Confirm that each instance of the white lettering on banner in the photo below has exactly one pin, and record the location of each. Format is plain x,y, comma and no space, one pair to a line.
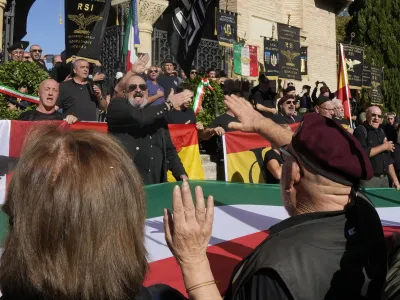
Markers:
189,19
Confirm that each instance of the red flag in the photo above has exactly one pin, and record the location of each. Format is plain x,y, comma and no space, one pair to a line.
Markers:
253,61
343,92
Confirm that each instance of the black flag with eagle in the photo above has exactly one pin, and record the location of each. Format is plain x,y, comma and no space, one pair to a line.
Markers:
186,29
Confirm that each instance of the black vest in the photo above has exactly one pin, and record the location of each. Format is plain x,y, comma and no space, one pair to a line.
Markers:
321,256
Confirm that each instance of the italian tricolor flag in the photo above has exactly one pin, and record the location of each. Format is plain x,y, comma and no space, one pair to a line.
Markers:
131,36
245,61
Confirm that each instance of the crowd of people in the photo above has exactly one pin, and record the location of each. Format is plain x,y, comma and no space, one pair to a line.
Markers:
88,241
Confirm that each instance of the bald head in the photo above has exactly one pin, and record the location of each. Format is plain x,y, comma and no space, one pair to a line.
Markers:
48,93
137,91
374,116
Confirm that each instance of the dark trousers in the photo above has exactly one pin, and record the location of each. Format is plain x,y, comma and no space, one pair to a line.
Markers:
376,182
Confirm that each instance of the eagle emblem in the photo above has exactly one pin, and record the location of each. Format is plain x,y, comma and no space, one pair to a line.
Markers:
83,22
375,84
290,56
351,64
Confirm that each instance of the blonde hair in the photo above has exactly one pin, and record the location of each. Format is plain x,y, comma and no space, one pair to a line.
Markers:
77,212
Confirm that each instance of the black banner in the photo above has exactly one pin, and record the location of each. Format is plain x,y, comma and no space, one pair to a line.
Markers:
226,25
355,62
366,77
303,57
271,58
186,29
289,52
85,23
376,86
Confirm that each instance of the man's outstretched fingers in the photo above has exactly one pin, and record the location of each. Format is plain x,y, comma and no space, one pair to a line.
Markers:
187,201
177,206
200,205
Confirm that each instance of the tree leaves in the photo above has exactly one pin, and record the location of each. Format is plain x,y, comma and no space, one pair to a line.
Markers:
15,75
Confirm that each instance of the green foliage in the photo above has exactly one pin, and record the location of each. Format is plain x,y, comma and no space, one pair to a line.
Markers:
341,24
376,24
15,75
210,101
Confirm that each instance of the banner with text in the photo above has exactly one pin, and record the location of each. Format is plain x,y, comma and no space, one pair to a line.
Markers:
271,58
366,76
289,52
355,63
376,86
226,25
244,156
85,23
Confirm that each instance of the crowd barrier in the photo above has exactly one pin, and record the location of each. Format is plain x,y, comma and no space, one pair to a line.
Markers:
243,214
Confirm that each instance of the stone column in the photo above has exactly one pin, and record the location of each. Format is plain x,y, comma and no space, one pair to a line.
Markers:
3,4
149,12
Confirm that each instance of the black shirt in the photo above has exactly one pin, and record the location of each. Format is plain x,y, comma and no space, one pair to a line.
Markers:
223,121
265,98
271,155
369,138
181,116
78,100
390,131
35,115
284,119
396,157
344,122
145,136
168,83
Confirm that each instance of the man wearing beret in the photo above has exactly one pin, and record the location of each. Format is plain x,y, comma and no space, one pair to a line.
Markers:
324,107
287,111
372,137
16,50
331,247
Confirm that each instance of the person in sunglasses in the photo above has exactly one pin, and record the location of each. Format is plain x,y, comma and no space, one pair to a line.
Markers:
155,90
324,106
332,244
372,137
193,73
36,55
287,111
16,50
143,130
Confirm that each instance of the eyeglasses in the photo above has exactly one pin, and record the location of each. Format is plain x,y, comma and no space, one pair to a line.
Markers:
37,50
141,86
376,115
153,71
193,72
285,154
17,52
327,109
290,102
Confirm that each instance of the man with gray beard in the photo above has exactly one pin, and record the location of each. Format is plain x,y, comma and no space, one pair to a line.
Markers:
143,131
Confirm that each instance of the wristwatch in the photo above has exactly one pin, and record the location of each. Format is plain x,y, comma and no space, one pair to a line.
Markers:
169,104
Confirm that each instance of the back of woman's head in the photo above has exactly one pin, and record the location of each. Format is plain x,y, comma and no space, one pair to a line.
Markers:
77,213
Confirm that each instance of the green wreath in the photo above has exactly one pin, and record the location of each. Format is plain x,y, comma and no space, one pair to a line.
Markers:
15,75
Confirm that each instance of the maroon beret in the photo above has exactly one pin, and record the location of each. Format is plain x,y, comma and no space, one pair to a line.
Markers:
326,147
284,98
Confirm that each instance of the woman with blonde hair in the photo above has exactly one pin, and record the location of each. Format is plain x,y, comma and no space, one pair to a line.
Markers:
77,213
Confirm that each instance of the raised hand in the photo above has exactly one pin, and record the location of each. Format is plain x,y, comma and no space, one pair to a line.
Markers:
249,118
179,99
139,66
188,232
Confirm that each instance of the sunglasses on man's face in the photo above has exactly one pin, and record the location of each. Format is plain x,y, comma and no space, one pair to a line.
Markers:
290,102
37,50
193,72
141,86
376,115
153,71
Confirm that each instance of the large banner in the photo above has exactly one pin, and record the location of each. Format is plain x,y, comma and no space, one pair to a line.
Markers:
85,23
244,156
13,133
355,63
242,216
289,52
186,29
226,25
271,58
376,86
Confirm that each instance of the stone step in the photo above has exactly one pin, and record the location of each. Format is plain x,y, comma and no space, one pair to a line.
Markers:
205,158
209,167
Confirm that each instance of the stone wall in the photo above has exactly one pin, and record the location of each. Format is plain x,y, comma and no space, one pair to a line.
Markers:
257,17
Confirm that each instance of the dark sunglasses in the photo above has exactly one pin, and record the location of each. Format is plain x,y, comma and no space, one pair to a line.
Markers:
37,50
376,115
141,86
153,71
290,102
193,72
285,154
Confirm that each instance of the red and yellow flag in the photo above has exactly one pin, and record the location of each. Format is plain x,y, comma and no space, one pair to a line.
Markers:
184,138
343,91
244,156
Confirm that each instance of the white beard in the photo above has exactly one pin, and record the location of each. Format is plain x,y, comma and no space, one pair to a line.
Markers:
137,105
